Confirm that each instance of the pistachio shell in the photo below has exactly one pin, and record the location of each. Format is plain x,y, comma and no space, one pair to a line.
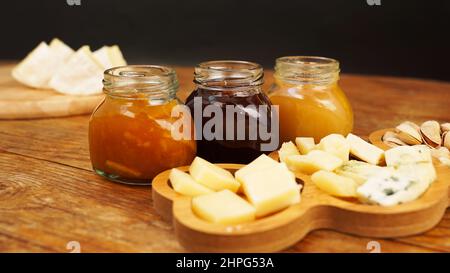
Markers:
446,140
391,139
431,133
445,127
409,133
440,152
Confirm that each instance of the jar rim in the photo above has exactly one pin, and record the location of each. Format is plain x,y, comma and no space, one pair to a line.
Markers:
307,69
140,79
228,74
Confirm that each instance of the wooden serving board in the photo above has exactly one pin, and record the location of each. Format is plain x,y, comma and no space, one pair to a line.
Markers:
317,210
18,101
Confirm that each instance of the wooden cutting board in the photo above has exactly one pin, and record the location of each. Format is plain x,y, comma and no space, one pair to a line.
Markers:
317,210
18,101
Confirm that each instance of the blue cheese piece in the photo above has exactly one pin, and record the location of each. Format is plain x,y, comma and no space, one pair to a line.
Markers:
391,187
404,155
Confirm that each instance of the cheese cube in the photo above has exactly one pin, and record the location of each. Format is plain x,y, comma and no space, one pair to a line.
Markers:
224,207
261,163
357,170
271,189
305,144
184,184
364,150
315,161
334,184
287,149
408,155
212,176
335,144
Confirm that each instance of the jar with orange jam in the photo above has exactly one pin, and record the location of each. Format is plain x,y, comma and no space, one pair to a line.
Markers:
130,132
311,103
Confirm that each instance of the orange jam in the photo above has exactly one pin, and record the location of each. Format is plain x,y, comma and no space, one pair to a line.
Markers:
311,103
130,137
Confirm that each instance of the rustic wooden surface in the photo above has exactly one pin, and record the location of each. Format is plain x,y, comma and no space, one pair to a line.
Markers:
20,101
49,196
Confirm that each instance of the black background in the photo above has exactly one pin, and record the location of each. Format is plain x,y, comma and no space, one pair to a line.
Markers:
405,38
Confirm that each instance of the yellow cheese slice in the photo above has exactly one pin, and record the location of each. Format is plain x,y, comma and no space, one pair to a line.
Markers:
364,150
287,149
334,184
271,189
261,163
314,161
184,184
335,144
305,144
212,176
224,207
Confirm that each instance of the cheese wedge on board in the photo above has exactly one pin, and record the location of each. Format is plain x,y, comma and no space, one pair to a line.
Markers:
184,184
109,56
224,207
271,189
314,161
334,184
261,163
212,176
305,144
287,149
335,144
364,150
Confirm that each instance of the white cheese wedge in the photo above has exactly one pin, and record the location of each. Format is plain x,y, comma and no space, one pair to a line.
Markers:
358,171
80,75
364,150
287,149
305,144
261,163
212,176
390,188
335,144
109,56
184,184
314,161
224,207
271,189
41,64
402,155
334,184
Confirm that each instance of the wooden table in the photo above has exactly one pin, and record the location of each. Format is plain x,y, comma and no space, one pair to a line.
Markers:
49,195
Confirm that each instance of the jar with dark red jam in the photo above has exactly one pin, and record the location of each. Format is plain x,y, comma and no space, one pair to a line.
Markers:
226,105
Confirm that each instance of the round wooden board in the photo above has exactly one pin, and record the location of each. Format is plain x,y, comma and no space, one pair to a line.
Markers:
317,210
21,102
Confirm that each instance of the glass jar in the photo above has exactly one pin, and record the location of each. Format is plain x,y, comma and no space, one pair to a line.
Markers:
130,132
311,103
223,87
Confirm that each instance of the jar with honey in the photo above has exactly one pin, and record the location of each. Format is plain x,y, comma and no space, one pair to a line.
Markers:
130,132
311,103
230,93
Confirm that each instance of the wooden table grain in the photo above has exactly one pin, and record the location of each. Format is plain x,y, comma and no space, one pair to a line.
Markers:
49,195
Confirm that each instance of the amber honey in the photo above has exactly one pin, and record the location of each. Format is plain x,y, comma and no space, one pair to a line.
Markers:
130,135
311,103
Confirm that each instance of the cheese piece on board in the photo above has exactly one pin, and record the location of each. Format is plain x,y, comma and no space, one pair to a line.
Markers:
224,207
402,155
287,149
335,144
271,189
390,187
80,75
41,63
212,176
184,184
305,144
109,56
314,161
359,171
364,150
261,163
334,184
